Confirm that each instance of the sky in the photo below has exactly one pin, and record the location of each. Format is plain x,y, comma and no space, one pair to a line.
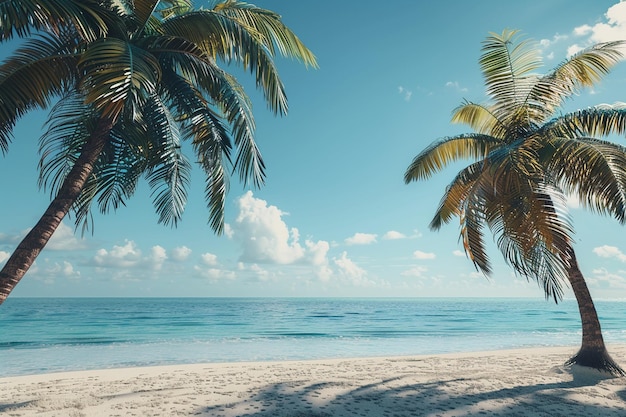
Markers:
335,218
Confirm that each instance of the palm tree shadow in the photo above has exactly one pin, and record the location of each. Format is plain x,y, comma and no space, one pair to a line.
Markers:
390,397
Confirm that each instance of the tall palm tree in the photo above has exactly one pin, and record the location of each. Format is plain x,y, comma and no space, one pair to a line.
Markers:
527,159
133,81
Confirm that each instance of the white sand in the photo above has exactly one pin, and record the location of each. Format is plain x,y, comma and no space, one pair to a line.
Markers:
528,382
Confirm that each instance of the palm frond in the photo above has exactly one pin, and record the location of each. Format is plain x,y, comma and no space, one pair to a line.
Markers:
480,118
506,63
25,17
456,194
67,129
447,150
227,39
32,77
593,169
169,169
584,69
117,71
274,34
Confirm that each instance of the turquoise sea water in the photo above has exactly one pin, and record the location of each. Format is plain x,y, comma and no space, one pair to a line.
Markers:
55,334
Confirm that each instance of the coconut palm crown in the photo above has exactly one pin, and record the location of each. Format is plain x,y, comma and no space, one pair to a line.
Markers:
132,80
527,159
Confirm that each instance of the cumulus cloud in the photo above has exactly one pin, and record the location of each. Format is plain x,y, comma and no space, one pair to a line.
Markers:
130,256
228,231
124,256
266,238
350,270
215,274
65,269
614,28
64,239
393,235
181,253
415,272
361,239
603,278
209,259
607,251
418,254
158,256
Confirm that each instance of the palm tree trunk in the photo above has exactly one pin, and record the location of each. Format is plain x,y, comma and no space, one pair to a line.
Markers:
29,248
592,352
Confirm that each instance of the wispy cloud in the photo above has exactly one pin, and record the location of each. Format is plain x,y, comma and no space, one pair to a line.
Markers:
406,94
456,86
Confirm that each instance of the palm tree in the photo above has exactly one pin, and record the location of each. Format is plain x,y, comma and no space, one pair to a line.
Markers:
527,159
132,82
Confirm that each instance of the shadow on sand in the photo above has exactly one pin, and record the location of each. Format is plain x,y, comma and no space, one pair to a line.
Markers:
452,397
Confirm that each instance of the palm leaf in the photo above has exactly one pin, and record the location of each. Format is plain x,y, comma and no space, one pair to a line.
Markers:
116,71
595,170
584,69
274,34
24,17
31,77
169,169
447,150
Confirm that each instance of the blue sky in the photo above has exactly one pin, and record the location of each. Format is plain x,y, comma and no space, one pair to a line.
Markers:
335,217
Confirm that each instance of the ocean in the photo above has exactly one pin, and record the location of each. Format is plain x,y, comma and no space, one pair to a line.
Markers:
40,335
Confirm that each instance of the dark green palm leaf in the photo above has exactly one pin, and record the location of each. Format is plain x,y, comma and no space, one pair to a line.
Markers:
24,17
117,71
35,74
169,169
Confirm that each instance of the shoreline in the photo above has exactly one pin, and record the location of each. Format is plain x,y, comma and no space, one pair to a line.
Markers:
520,382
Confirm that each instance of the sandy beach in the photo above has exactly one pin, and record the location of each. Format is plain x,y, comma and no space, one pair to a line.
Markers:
526,382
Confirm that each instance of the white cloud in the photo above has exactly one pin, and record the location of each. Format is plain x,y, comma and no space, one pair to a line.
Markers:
120,256
418,254
130,256
264,235
317,252
4,256
228,231
393,235
64,239
456,86
607,251
457,252
574,49
415,272
572,201
181,253
361,239
215,274
405,93
350,270
614,28
209,259
158,256
266,238
603,278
